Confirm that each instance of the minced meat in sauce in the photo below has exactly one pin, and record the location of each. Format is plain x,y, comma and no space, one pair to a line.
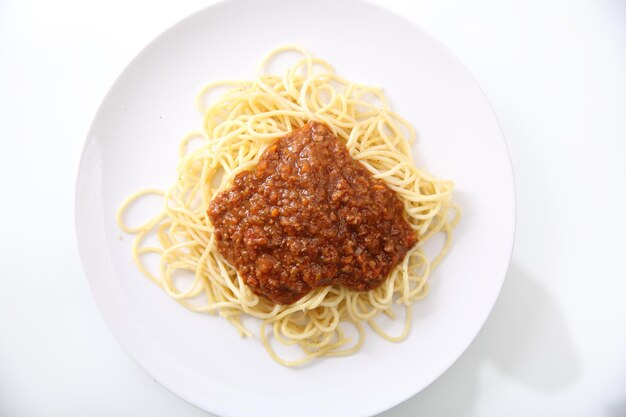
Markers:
309,216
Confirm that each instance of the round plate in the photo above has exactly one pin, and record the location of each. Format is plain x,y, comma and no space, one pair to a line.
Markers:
133,143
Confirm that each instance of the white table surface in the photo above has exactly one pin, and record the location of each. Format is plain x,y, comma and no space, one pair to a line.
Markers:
555,73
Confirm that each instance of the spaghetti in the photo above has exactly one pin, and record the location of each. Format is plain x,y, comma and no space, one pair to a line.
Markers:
237,128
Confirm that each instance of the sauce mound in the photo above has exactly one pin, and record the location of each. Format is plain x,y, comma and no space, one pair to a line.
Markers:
309,216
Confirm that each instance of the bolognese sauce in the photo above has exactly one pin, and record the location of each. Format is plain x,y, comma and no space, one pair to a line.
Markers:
309,216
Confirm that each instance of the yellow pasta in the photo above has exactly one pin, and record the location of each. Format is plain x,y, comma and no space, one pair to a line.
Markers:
237,128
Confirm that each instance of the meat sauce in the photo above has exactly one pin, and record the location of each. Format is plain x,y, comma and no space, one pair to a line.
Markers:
309,216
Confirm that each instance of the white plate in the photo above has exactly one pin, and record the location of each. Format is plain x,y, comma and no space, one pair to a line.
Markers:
133,143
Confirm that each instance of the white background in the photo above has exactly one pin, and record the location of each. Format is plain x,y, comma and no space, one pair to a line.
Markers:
555,73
